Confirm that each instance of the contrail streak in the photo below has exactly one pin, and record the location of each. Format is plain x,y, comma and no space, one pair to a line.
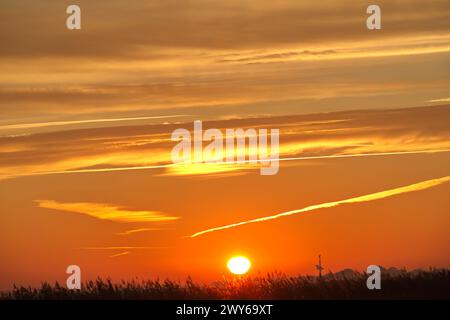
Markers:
369,197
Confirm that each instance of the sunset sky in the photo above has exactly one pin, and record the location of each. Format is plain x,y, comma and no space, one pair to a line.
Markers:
86,118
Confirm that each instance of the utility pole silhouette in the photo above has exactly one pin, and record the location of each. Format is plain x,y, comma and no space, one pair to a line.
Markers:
319,267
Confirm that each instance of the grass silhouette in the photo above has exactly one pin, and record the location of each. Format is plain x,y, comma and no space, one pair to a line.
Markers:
432,284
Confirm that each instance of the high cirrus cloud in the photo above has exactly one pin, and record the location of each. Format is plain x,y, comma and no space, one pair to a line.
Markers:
315,136
106,211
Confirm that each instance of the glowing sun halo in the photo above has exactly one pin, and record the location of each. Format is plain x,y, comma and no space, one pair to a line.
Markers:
238,265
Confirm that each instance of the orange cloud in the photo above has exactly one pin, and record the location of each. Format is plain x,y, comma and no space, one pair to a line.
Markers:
106,211
119,254
75,122
133,231
314,136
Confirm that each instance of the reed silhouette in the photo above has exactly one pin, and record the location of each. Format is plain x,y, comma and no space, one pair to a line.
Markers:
347,284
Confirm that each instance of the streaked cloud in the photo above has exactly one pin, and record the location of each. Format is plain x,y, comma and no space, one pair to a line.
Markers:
440,100
316,136
198,24
74,122
123,248
119,254
365,198
217,59
275,56
224,169
133,231
106,211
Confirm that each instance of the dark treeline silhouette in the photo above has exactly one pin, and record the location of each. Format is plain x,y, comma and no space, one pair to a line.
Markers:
347,284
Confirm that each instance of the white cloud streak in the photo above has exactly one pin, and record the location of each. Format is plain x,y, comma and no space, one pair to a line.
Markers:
365,198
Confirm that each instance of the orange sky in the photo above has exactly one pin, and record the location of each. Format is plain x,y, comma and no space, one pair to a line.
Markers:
86,118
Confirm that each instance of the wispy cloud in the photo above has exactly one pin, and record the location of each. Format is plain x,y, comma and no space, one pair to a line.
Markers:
303,137
121,75
277,56
121,248
238,23
365,198
106,211
74,122
225,167
133,231
440,100
119,254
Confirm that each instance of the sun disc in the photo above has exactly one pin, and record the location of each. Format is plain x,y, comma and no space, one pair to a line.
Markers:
238,265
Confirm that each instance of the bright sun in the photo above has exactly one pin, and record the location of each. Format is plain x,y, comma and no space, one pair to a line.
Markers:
238,265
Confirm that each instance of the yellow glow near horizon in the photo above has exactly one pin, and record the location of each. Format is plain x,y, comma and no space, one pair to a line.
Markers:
239,265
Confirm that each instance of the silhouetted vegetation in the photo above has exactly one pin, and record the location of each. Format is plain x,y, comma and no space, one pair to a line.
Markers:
433,284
